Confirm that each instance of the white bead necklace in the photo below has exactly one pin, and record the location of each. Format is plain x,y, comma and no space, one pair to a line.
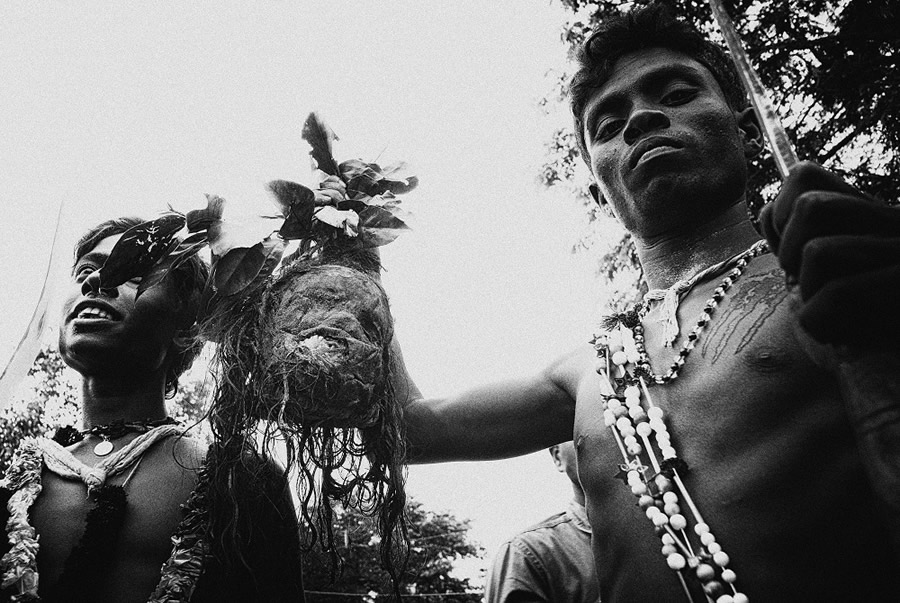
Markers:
637,424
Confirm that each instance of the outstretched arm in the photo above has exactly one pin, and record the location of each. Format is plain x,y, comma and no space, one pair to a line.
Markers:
494,421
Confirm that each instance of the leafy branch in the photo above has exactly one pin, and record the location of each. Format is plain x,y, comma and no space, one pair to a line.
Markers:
362,212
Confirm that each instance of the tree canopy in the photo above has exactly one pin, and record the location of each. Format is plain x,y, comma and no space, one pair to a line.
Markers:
437,542
832,70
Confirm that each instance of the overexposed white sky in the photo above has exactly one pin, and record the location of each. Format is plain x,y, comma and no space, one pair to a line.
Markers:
122,108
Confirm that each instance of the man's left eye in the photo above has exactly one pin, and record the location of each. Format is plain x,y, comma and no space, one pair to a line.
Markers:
679,96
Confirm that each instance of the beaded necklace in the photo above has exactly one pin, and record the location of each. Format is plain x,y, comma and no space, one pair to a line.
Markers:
18,567
633,418
117,429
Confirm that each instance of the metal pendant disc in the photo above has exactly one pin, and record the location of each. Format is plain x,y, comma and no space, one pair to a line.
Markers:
103,448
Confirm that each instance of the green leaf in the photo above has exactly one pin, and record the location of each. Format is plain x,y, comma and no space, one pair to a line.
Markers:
320,138
379,226
234,234
371,179
241,266
398,179
345,220
139,249
201,219
154,277
181,252
361,177
296,203
191,240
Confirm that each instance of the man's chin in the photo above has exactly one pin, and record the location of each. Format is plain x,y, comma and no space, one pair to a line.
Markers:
89,351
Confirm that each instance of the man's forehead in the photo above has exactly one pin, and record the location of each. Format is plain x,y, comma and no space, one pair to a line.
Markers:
102,249
648,64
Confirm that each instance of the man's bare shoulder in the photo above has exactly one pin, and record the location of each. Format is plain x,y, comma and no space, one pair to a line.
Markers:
188,450
569,372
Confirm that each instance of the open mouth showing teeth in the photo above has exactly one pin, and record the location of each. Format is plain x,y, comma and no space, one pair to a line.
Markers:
95,314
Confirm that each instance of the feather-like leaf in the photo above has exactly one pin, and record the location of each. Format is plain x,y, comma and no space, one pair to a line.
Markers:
242,265
379,226
296,203
398,179
201,219
139,249
320,138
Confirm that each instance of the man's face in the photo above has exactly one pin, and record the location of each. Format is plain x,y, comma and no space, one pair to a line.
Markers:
566,459
665,148
111,332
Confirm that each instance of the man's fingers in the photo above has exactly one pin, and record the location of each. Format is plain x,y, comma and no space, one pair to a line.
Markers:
328,197
332,182
859,310
331,191
827,259
824,214
804,177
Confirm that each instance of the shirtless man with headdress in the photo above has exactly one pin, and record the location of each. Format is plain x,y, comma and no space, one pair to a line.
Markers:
302,362
128,508
743,446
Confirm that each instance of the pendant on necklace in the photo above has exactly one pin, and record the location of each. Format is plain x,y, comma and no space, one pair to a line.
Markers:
103,448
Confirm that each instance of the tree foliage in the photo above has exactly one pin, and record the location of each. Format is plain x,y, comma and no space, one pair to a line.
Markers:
437,542
49,399
831,67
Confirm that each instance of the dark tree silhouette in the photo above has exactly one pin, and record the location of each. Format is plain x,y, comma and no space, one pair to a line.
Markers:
437,542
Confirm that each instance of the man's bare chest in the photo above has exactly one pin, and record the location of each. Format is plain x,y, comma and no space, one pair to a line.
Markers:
66,517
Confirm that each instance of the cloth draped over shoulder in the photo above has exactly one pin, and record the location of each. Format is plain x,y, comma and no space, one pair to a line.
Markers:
268,567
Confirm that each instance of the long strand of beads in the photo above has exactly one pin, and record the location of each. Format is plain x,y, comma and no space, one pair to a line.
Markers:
635,428
661,493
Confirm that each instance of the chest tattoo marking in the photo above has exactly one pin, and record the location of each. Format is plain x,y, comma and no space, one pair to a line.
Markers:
756,300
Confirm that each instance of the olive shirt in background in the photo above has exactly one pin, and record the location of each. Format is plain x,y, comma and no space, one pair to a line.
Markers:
551,561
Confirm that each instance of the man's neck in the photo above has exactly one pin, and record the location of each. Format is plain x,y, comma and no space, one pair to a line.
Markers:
578,493
106,400
676,256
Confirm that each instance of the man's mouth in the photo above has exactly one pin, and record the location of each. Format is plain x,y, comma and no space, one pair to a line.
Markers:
94,312
654,152
652,147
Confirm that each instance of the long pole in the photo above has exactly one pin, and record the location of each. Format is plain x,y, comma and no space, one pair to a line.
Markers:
782,149
30,343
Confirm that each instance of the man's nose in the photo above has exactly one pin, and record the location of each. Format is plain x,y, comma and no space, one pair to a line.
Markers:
91,284
643,121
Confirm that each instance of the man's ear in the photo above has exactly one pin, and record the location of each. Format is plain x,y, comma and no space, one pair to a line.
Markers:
185,338
554,453
600,200
595,194
751,132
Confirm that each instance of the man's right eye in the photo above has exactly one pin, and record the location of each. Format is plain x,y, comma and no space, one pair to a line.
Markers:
82,272
609,128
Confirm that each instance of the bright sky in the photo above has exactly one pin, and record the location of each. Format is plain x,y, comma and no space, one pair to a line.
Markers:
121,110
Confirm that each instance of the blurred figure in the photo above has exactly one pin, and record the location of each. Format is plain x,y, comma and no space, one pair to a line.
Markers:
552,560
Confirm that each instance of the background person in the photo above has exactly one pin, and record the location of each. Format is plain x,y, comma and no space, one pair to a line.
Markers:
552,560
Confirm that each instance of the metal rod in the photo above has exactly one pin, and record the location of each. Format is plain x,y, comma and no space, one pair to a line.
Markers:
782,149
